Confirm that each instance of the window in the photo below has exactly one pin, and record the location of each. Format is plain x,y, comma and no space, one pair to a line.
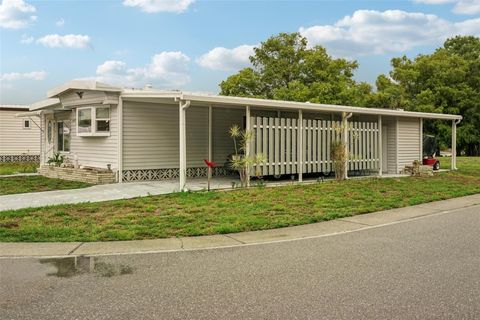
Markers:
63,136
93,121
26,124
102,119
49,131
84,120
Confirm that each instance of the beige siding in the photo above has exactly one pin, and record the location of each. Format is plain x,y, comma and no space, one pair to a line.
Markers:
14,140
151,135
391,124
197,136
93,151
223,119
408,141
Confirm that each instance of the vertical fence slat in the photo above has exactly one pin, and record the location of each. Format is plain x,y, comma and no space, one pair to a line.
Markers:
329,131
350,146
282,146
324,146
302,147
364,140
258,138
265,145
319,146
271,142
372,147
288,144
277,145
294,146
375,145
367,145
308,146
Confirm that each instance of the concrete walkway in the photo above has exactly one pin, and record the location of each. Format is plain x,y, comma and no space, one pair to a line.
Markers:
104,193
19,175
322,229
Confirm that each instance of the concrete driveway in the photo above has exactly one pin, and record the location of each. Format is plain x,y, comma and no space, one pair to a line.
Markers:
104,193
424,268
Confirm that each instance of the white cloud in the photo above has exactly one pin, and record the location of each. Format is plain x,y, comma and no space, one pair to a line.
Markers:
26,39
12,76
74,41
166,69
220,58
460,6
60,23
374,32
112,67
154,6
16,14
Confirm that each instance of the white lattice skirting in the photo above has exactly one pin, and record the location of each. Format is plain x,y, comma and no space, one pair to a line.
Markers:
20,158
170,173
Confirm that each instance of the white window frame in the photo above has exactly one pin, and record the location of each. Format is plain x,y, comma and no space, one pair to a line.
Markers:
29,124
93,115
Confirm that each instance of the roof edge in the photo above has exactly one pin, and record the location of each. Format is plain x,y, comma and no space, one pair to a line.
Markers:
81,85
42,104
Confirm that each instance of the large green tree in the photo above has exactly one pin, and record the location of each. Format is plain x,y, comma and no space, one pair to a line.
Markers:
446,81
285,68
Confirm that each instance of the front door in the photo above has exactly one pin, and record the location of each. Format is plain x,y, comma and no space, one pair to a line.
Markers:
49,137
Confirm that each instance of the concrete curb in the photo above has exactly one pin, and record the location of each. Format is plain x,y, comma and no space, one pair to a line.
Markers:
316,230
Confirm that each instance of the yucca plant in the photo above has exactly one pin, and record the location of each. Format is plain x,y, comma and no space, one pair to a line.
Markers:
240,162
339,158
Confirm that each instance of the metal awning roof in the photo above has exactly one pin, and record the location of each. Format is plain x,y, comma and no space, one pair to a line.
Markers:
216,100
202,99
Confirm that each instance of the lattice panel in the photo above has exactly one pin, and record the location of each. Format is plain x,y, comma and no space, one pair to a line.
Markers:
20,158
170,173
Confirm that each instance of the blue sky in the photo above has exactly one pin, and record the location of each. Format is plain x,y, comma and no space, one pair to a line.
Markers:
193,45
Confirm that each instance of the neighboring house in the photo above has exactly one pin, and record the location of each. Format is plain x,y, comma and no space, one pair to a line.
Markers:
145,134
19,137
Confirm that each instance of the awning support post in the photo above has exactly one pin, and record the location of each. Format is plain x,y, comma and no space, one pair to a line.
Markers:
210,141
183,106
454,144
380,146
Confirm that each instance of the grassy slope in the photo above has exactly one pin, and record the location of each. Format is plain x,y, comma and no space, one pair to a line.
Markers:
17,167
188,214
12,185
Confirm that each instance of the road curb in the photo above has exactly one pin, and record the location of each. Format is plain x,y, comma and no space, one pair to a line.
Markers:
308,231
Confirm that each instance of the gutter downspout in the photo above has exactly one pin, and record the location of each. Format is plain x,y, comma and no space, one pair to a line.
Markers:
345,117
454,143
120,139
183,106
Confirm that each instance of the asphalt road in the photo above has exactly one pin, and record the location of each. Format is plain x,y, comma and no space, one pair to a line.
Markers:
427,268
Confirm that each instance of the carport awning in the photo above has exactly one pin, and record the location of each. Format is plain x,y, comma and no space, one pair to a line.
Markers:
30,114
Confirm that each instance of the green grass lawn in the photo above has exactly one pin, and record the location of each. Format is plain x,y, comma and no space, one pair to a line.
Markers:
12,185
203,213
17,167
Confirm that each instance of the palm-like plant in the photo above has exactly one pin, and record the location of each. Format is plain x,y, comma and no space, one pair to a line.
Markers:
240,161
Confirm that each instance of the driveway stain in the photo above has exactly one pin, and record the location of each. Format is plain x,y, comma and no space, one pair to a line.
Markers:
74,266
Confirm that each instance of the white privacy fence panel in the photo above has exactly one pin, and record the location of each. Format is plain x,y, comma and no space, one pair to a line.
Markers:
277,139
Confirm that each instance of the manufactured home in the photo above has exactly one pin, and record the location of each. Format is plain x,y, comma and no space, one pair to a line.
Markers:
146,134
19,137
